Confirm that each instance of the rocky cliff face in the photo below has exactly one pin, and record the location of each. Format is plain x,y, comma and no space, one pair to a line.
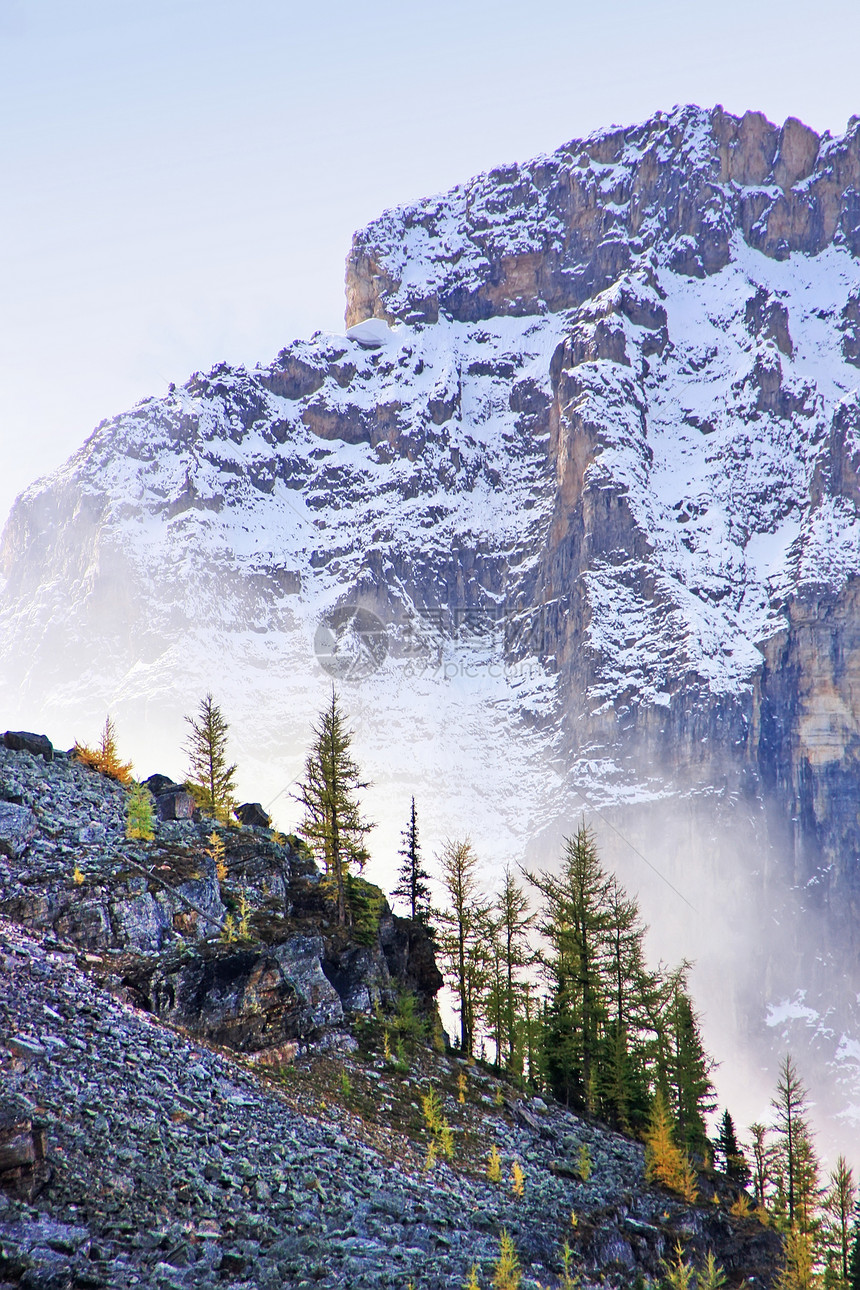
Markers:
598,482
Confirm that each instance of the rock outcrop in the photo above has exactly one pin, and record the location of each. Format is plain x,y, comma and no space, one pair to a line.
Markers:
151,918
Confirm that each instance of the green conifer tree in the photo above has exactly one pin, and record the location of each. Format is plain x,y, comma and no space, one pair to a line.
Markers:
211,779
513,921
795,1165
412,878
854,1257
139,814
839,1203
575,921
463,934
689,1079
624,1086
729,1153
333,825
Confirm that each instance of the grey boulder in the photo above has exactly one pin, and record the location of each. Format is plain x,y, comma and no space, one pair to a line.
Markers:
18,826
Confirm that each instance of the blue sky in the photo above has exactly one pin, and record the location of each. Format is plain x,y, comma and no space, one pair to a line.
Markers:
181,180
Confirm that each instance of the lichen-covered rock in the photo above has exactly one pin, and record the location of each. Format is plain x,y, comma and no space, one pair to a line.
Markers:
18,827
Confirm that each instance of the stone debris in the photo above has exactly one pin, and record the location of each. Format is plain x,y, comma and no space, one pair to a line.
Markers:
134,1155
18,826
167,1164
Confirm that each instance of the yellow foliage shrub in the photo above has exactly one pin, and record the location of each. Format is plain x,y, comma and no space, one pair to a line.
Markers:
742,1206
518,1180
680,1274
585,1165
105,758
569,1278
664,1161
711,1276
244,917
507,1273
799,1270
432,1108
216,851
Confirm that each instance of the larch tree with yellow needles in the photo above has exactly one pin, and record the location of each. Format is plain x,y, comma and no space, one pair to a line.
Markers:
105,757
507,1274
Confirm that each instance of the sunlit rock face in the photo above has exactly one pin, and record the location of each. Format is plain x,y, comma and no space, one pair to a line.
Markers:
598,481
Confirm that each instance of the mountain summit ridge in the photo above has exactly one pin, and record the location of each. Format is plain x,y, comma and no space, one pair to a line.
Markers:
787,188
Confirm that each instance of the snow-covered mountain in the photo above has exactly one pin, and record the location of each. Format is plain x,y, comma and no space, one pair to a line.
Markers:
581,526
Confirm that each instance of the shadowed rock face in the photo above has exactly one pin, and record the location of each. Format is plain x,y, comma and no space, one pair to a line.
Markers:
244,999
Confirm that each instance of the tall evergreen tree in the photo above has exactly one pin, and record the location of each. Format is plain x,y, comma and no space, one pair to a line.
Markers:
462,933
412,878
514,921
211,779
839,1205
729,1153
795,1164
495,996
854,1257
689,1078
612,1028
333,825
575,922
624,1095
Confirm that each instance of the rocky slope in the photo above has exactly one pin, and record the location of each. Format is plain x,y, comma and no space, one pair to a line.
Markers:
250,1131
598,484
